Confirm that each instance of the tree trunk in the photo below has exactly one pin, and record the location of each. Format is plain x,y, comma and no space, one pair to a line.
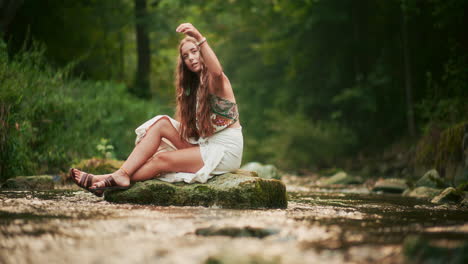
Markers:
408,81
8,10
358,73
142,79
121,55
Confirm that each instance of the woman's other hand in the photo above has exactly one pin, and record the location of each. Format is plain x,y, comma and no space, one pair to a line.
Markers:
190,30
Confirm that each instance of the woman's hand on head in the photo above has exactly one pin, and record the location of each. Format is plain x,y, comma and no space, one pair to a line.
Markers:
189,30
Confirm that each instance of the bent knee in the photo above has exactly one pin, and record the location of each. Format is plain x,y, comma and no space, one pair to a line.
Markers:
163,161
160,125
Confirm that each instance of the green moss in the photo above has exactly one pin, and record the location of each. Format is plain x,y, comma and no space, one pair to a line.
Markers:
41,182
143,193
449,195
431,179
462,187
449,147
418,249
98,165
227,191
441,148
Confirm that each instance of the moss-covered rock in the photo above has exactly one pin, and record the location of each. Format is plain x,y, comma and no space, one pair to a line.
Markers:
422,192
331,171
40,182
431,179
449,195
247,231
232,257
444,150
341,178
464,202
418,249
391,185
264,171
98,165
462,187
230,190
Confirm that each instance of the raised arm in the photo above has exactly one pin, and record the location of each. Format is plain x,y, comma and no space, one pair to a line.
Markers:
211,61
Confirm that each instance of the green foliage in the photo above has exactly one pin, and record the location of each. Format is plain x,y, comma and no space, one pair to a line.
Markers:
106,150
98,165
49,119
331,71
439,149
89,31
296,142
445,103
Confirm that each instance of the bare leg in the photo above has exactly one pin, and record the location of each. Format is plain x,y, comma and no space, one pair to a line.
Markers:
183,160
146,149
150,144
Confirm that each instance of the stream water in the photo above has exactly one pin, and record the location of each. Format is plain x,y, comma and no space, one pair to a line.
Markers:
320,225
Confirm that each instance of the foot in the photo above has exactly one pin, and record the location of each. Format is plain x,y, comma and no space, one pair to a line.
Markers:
120,177
77,174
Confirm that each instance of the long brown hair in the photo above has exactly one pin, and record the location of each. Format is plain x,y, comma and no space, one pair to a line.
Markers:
191,87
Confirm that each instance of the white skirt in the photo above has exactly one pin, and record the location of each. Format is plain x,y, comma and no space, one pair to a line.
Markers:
221,152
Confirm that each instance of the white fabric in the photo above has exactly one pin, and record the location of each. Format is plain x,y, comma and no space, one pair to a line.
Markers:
221,152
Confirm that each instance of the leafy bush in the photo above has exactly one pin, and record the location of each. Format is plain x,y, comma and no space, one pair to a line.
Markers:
48,119
98,165
297,142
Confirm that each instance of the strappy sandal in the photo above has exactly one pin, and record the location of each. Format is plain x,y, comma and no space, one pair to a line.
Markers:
85,182
111,184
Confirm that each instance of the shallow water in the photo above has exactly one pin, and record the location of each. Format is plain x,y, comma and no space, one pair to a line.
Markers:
347,225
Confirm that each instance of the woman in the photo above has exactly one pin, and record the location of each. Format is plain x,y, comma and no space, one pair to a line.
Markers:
205,140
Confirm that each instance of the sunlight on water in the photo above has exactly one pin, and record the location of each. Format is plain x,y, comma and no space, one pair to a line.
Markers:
319,225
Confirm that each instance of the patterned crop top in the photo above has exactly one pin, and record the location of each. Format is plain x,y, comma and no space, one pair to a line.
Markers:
223,112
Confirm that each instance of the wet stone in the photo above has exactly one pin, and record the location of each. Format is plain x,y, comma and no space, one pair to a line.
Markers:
418,249
267,171
233,258
431,179
230,190
422,192
391,185
319,226
40,182
449,195
236,231
341,178
464,202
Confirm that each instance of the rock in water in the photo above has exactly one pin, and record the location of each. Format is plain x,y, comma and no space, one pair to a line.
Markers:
341,178
236,231
419,249
464,202
422,192
40,182
230,190
449,195
264,171
391,185
431,179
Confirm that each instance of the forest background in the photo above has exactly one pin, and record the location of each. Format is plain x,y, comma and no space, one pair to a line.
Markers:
319,83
